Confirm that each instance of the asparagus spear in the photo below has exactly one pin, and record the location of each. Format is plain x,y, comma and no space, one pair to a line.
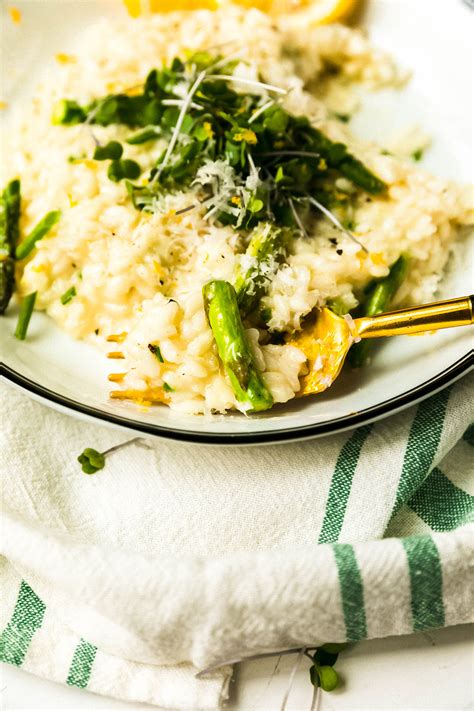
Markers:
265,252
10,200
337,156
26,309
233,347
7,282
378,300
25,247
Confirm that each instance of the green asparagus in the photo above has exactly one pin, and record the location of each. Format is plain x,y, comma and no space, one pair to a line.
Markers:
10,200
42,228
26,309
378,301
233,347
338,157
264,254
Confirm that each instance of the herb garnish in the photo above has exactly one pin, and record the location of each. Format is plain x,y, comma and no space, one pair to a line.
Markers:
417,155
120,169
111,151
252,160
322,672
68,295
153,348
92,461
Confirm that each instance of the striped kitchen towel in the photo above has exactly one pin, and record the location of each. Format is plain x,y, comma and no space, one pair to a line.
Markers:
176,558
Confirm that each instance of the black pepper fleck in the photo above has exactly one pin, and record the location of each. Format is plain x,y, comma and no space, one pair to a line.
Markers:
339,251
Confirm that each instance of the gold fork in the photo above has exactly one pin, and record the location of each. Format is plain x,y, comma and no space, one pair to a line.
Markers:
327,339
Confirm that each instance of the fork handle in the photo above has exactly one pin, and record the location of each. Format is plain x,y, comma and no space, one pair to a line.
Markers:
418,319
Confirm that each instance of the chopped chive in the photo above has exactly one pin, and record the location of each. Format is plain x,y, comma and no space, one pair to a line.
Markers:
156,352
417,155
26,309
167,388
42,228
68,295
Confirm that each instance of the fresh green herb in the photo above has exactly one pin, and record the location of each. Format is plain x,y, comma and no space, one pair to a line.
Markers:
74,159
68,295
255,161
378,298
150,133
417,155
167,388
345,118
68,113
120,169
322,673
26,309
233,347
111,151
91,460
42,228
10,203
153,348
339,306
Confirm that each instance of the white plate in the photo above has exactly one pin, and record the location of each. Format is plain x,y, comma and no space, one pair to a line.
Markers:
431,38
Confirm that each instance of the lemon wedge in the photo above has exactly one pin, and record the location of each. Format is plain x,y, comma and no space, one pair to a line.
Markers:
313,11
139,7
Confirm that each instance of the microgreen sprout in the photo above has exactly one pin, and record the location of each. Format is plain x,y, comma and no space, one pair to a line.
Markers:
111,151
322,673
244,155
120,169
92,461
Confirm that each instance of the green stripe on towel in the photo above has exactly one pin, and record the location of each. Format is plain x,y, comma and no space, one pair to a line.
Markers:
81,665
422,445
26,619
468,435
352,592
341,484
441,504
426,582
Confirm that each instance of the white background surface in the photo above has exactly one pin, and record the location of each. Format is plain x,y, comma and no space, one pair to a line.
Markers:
429,671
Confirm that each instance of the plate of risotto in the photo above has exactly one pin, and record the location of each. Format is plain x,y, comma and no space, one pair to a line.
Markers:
183,190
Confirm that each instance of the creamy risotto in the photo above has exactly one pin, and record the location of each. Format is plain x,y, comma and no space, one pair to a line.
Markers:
220,183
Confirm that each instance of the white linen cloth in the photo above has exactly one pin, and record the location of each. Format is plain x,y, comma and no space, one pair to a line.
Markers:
177,557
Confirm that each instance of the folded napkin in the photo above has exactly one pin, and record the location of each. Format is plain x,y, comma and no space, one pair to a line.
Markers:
176,557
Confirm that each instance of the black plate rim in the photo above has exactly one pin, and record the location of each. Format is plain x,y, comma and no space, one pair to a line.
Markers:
455,371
